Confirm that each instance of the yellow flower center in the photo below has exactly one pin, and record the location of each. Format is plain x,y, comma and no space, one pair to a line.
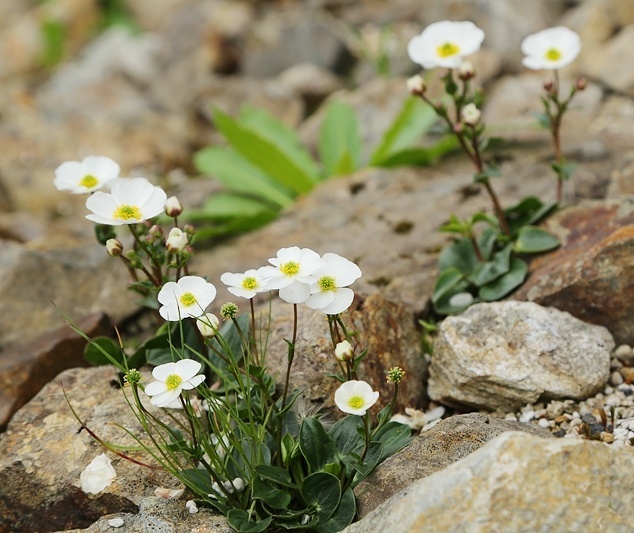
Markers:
447,49
172,381
250,283
356,402
127,212
553,54
327,283
290,269
187,299
89,181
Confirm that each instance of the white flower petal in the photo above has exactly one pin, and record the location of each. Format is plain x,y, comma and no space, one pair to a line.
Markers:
342,300
162,372
154,388
296,293
344,271
165,398
187,368
320,299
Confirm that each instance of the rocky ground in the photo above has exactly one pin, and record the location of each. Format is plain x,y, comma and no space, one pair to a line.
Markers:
144,99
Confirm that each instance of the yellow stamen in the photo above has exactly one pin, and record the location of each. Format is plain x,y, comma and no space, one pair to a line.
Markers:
290,269
250,283
553,54
89,181
172,381
127,212
356,402
188,299
447,50
327,283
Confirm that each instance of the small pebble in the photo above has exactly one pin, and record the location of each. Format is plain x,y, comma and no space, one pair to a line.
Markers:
543,422
607,437
116,522
624,352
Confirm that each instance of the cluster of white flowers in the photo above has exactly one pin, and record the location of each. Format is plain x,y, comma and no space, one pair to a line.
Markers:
446,44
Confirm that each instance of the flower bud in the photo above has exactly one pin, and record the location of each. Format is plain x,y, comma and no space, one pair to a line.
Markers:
471,114
114,247
548,85
155,231
416,85
395,375
189,229
132,377
581,84
176,240
344,351
466,71
229,310
173,207
208,324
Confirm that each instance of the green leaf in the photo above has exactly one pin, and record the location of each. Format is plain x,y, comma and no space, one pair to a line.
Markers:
239,520
450,281
103,351
420,156
414,120
286,139
344,433
317,448
232,340
238,174
532,240
232,226
564,170
264,154
275,474
528,211
460,255
339,140
394,437
272,496
487,271
504,285
227,205
322,491
343,515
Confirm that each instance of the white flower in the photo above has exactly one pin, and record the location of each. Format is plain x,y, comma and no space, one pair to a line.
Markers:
471,114
245,285
172,379
445,44
550,49
329,293
355,397
293,270
188,297
89,175
129,201
343,351
98,475
208,324
176,240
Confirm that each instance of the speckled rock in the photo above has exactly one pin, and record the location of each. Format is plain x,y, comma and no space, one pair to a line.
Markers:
448,441
44,448
517,482
502,355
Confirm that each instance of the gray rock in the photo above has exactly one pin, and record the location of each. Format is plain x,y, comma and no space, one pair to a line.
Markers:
517,482
504,355
279,42
605,62
448,441
158,515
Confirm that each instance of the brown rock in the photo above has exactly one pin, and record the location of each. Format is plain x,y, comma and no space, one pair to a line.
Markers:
591,275
385,328
448,441
26,367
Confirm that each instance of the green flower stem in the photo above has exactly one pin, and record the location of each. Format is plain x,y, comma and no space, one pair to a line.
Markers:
252,340
366,428
291,356
189,416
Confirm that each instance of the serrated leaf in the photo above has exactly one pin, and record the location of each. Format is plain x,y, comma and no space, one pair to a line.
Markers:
264,154
339,140
237,173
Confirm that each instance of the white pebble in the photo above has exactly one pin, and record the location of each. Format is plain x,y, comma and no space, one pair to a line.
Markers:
624,352
510,416
527,417
116,522
543,422
191,506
